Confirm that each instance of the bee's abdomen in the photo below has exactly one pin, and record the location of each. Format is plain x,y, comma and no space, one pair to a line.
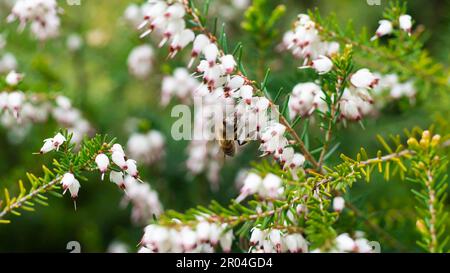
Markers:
228,147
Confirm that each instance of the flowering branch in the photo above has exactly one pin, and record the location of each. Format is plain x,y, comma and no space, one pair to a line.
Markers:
281,213
69,166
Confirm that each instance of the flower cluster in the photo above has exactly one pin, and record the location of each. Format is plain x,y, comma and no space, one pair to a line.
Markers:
167,19
386,27
180,85
71,118
146,148
305,42
127,165
275,241
144,200
140,61
204,237
356,101
269,187
205,156
134,13
42,14
355,104
394,88
344,243
19,110
12,101
305,99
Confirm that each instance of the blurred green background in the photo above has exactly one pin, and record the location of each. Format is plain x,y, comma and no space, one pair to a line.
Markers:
97,80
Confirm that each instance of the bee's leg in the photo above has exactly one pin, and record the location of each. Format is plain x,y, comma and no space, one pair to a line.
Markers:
241,143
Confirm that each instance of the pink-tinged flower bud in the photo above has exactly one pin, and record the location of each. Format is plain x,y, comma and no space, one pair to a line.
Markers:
3,101
338,203
322,65
384,28
214,234
132,168
203,231
228,63
63,102
235,82
15,102
257,236
252,185
180,41
188,239
226,241
58,140
69,182
117,148
363,78
287,155
332,48
119,159
48,146
297,161
344,243
102,162
246,93
349,110
175,11
271,185
268,246
262,104
301,208
13,78
200,42
173,27
275,238
155,10
291,243
117,178
405,22
211,52
363,246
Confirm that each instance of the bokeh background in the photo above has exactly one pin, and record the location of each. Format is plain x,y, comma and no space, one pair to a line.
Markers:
96,78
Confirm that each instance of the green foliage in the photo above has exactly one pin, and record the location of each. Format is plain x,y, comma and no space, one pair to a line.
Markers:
260,22
429,173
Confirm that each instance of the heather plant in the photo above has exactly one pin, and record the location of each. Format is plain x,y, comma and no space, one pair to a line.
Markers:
295,192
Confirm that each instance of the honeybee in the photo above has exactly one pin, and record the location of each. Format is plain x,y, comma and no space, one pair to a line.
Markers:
228,145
